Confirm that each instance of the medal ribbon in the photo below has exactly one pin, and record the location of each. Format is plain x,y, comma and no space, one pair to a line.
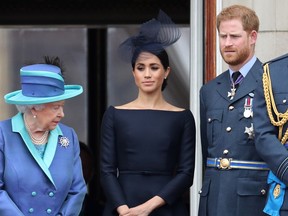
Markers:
248,103
237,78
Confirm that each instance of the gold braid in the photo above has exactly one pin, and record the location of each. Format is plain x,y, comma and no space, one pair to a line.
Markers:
282,118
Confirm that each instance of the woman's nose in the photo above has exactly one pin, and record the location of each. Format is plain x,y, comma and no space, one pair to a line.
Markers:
147,74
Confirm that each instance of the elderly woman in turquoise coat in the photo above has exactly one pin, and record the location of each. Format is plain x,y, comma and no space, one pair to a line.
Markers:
40,166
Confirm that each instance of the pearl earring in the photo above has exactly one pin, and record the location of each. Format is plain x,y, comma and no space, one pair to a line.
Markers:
34,116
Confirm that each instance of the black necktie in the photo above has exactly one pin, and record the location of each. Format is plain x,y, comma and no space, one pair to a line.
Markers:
236,78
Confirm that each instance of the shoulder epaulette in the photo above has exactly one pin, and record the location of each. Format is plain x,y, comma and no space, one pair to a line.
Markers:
276,59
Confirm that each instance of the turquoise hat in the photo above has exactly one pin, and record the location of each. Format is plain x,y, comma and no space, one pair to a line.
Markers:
42,83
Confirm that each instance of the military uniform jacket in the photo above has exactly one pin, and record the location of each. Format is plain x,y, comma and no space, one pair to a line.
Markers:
237,192
30,185
267,142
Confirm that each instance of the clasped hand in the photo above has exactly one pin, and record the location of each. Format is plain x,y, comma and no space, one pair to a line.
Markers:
141,210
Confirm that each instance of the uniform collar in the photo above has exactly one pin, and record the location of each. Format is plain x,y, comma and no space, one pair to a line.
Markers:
246,68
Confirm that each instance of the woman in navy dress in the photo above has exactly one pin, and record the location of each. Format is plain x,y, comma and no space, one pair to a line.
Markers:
148,145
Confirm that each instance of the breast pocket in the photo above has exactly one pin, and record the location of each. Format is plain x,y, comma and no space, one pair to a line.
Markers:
214,125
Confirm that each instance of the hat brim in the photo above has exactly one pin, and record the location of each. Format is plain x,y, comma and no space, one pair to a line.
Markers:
17,97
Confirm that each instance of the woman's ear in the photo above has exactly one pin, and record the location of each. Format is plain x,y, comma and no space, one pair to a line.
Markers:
167,72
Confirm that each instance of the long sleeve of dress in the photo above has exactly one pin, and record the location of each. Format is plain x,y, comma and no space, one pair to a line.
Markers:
112,189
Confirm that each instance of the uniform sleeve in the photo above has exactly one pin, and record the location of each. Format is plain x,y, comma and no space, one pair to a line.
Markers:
185,169
78,189
7,206
266,138
108,164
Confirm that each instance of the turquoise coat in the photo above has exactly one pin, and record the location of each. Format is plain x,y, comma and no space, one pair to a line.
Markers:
30,185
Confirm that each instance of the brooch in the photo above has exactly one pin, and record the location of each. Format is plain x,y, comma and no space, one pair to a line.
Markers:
64,141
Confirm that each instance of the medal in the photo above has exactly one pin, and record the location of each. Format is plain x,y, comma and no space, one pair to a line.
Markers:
236,79
232,93
248,108
250,132
247,113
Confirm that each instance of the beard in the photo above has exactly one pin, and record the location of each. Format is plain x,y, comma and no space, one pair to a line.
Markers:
236,58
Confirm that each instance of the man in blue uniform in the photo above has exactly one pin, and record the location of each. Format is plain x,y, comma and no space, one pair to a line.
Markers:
235,175
271,132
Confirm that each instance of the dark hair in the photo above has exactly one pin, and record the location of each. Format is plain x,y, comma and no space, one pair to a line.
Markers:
164,59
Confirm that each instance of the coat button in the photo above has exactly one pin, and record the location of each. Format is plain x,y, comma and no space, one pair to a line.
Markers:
33,193
49,211
200,192
31,210
228,129
225,152
51,194
284,101
209,119
231,108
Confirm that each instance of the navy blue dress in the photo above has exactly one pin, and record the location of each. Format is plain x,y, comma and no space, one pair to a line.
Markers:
146,153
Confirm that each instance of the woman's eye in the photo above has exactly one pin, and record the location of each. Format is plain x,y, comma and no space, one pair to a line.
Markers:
155,68
56,107
140,68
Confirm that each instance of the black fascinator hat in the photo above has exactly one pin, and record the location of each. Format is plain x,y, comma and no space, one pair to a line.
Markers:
154,36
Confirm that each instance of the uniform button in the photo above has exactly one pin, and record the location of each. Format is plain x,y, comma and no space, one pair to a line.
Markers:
228,129
200,192
284,101
33,193
231,108
263,191
51,194
209,119
225,152
31,210
49,211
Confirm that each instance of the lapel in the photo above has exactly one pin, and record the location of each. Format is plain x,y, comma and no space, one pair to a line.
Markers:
248,84
224,85
44,164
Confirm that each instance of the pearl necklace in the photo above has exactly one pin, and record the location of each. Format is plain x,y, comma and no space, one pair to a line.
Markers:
38,141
